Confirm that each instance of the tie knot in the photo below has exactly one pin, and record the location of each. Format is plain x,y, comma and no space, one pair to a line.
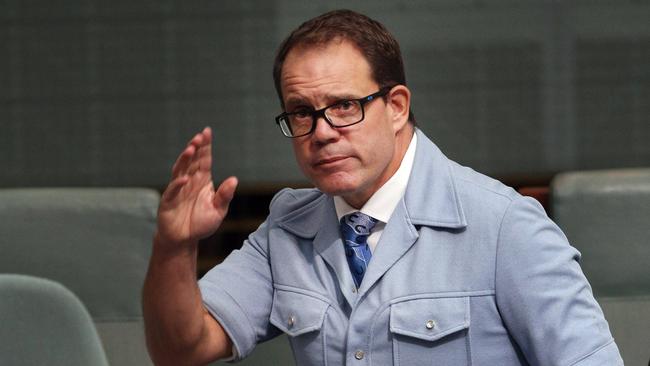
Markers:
357,225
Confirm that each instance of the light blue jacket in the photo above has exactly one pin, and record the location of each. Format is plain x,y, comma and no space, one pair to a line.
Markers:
467,272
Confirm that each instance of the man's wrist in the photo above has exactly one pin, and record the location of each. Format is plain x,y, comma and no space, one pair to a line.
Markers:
169,248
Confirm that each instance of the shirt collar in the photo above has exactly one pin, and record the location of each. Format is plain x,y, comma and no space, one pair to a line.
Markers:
383,202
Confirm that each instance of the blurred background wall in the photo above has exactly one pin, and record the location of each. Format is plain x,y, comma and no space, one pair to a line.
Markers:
106,93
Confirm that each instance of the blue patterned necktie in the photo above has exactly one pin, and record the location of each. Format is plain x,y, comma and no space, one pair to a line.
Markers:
355,229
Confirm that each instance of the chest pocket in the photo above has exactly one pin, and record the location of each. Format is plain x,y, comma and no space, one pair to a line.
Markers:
430,331
301,316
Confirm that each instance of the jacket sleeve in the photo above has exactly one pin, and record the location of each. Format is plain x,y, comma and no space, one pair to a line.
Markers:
544,298
239,294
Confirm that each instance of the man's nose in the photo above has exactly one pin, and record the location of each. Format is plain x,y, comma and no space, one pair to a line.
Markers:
323,130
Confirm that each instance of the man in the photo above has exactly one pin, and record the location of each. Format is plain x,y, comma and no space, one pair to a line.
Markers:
399,256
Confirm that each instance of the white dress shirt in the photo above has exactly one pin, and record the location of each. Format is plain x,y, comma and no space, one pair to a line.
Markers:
383,202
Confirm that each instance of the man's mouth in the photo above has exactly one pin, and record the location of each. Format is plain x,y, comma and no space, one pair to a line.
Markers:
330,161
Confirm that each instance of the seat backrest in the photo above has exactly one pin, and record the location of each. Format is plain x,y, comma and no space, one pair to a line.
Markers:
606,216
96,242
43,323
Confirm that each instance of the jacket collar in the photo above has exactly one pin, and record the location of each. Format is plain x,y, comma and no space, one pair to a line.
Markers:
431,196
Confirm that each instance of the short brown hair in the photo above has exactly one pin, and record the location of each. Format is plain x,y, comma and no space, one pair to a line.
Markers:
373,40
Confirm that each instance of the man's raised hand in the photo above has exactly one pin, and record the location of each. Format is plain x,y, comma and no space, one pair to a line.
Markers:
190,208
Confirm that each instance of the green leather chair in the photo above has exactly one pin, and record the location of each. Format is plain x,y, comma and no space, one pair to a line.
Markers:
94,241
606,216
43,323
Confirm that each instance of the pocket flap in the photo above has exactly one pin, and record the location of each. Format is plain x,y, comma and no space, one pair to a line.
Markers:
429,319
297,313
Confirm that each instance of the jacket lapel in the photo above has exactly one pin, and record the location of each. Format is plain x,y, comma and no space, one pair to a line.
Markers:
398,236
320,223
431,199
431,196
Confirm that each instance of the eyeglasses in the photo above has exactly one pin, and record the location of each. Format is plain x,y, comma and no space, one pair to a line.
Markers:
340,114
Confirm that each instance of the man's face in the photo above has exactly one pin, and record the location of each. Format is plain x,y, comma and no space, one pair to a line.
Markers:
352,161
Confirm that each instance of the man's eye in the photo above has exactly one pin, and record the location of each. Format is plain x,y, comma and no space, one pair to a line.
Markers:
302,113
345,105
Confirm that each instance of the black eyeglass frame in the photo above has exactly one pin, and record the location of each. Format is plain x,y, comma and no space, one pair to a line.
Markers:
321,112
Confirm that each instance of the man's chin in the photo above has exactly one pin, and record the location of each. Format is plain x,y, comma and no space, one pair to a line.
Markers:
336,188
340,183
334,191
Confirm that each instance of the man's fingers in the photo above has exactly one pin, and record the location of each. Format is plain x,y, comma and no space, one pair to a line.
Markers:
204,153
185,159
174,187
224,194
182,164
189,161
197,140
196,156
207,133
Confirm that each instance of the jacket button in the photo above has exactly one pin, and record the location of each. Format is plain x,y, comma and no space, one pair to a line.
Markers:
430,324
291,321
359,355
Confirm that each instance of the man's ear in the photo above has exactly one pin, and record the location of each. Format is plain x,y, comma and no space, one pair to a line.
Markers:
399,102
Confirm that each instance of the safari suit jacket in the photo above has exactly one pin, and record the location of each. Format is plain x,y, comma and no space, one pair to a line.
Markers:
466,272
